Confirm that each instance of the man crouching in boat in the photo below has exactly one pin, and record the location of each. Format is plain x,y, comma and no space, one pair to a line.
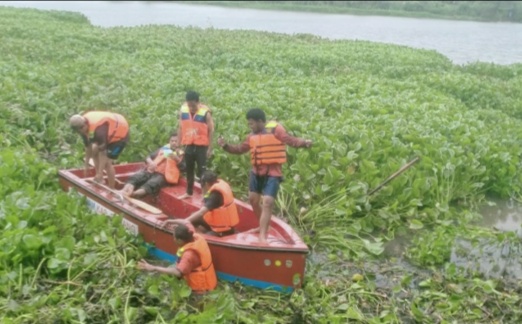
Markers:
194,260
162,169
219,214
105,135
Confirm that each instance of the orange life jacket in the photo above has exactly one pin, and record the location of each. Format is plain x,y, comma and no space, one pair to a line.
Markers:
265,148
194,129
203,278
118,126
225,217
170,169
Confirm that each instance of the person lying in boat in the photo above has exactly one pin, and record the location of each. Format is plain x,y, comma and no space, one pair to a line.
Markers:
194,260
163,168
105,135
219,214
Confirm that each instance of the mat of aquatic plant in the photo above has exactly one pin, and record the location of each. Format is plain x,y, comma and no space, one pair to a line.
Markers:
370,108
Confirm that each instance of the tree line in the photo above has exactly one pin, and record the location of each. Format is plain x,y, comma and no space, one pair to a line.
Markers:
481,10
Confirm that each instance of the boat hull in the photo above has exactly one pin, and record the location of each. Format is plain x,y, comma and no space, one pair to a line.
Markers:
278,265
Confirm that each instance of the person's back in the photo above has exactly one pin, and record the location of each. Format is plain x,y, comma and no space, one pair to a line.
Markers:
105,135
218,216
194,260
224,217
201,278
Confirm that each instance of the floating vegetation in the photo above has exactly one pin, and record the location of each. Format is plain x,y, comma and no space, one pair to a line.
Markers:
370,108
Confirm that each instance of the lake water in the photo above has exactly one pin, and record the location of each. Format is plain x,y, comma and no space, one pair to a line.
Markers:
503,215
493,258
461,41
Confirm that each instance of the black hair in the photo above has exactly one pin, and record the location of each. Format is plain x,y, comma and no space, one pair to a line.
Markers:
192,96
256,114
174,134
208,177
182,232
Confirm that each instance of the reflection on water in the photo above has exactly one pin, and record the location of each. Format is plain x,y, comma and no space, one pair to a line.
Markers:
503,215
492,258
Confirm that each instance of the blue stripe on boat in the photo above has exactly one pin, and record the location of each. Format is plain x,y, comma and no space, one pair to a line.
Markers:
221,275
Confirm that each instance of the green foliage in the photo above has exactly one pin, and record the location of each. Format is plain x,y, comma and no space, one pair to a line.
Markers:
370,108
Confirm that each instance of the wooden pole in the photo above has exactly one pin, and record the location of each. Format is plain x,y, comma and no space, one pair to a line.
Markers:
393,176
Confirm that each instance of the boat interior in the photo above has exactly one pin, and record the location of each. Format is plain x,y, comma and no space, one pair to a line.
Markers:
173,208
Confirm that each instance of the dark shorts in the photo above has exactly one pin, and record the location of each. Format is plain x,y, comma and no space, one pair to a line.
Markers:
114,149
209,231
150,182
265,185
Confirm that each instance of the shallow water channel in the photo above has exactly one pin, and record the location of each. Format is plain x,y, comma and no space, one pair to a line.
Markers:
503,215
494,258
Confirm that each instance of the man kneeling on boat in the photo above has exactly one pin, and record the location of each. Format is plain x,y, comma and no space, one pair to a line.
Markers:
219,214
194,260
162,169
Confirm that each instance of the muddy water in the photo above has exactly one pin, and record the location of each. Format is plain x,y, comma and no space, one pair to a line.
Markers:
396,247
503,215
491,257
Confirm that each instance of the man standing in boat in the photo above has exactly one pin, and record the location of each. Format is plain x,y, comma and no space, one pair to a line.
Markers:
105,135
162,169
219,214
195,131
194,260
267,149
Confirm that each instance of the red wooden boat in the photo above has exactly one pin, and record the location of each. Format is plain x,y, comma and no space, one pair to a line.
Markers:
278,264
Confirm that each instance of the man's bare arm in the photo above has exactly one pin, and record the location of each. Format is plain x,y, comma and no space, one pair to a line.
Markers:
144,265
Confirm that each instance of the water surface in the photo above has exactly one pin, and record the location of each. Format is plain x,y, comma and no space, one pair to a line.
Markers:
460,41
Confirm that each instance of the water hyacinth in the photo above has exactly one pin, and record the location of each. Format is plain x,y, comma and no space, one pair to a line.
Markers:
370,108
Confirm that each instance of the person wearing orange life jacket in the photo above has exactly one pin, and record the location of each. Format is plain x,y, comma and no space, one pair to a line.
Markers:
105,135
162,170
195,131
194,260
219,215
267,147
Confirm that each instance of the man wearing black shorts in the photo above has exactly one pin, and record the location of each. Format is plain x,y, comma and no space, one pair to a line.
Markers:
195,132
163,168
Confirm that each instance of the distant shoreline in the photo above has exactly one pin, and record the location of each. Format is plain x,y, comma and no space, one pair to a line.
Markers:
340,9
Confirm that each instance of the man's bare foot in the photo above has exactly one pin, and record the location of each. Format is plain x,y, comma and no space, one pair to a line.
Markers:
253,230
184,196
262,240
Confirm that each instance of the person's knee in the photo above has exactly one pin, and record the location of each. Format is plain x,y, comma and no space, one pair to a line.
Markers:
268,201
254,198
148,188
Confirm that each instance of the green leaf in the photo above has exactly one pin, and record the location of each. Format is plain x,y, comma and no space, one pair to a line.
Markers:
32,241
53,263
354,314
416,224
184,291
